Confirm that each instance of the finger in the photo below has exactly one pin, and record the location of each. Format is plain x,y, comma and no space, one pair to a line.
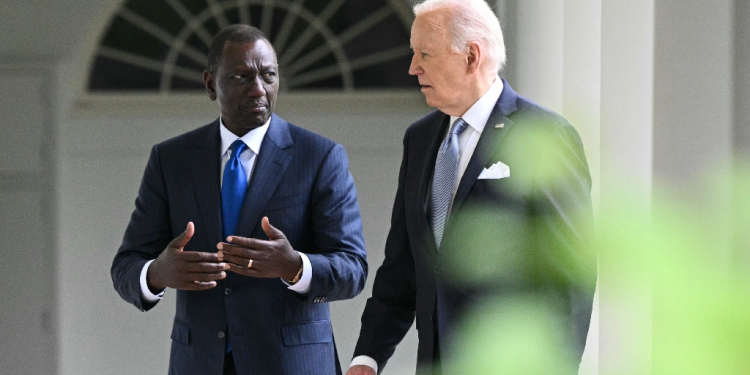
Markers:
272,232
204,267
250,243
239,261
249,254
242,250
198,256
206,277
198,285
253,272
229,250
180,241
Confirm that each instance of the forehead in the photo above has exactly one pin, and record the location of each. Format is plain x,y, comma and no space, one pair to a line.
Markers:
259,52
430,29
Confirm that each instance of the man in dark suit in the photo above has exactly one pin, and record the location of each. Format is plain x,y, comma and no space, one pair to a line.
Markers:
279,205
493,199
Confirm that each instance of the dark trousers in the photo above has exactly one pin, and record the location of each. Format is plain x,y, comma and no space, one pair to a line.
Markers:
436,370
229,368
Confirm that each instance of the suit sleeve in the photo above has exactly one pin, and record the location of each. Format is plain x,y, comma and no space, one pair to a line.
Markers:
565,225
146,236
339,268
390,312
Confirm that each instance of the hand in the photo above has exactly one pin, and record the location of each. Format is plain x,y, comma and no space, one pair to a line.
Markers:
361,370
187,270
272,258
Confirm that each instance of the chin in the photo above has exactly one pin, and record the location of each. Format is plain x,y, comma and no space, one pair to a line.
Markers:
256,119
431,102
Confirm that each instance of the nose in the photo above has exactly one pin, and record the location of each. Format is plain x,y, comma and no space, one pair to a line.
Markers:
414,67
256,89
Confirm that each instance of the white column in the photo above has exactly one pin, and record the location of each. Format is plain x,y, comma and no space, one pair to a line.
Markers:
28,278
627,63
539,52
581,95
581,77
693,103
693,89
661,78
558,65
742,79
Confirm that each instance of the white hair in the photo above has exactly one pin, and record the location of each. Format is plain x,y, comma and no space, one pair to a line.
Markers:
471,20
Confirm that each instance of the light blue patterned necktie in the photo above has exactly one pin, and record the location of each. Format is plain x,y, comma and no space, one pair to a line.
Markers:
446,171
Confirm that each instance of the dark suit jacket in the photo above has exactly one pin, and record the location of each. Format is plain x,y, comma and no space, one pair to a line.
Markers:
301,181
516,236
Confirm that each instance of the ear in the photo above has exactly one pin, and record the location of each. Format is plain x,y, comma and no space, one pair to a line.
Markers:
474,57
210,82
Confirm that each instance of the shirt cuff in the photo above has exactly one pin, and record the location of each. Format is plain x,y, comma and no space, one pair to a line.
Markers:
145,292
303,285
364,360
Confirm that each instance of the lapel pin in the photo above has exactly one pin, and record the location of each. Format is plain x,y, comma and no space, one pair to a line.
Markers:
499,126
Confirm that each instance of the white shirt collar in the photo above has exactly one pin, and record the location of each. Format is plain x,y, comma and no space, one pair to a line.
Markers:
480,112
252,139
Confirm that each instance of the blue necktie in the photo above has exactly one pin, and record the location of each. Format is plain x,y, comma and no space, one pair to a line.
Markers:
233,187
446,171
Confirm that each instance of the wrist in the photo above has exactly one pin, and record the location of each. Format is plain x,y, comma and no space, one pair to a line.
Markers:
297,272
153,285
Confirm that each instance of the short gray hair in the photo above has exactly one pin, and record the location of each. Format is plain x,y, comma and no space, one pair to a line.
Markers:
471,20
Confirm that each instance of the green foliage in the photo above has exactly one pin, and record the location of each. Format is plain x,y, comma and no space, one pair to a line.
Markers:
686,261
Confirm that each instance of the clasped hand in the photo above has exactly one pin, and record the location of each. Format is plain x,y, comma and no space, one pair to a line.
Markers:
192,270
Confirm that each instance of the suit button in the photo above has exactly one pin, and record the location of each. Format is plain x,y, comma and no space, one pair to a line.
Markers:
227,291
221,335
439,270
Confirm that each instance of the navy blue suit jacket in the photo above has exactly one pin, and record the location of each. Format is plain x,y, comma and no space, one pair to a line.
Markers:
515,236
301,181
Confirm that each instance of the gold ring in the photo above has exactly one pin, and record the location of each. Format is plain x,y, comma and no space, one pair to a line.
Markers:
250,264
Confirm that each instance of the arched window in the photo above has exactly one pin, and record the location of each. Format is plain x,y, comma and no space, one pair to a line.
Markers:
162,45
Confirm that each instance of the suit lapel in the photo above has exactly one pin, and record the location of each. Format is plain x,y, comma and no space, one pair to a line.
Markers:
206,163
435,138
437,130
489,142
270,166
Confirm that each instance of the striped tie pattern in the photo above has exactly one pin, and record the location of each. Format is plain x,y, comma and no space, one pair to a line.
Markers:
446,171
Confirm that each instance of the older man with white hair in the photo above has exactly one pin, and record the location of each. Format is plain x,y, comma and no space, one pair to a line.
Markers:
493,200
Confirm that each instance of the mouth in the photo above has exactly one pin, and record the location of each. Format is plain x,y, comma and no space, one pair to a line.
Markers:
255,107
426,87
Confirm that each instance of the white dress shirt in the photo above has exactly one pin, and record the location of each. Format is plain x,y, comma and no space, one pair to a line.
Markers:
476,117
253,139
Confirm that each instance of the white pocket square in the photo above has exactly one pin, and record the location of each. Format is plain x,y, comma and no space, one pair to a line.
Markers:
496,171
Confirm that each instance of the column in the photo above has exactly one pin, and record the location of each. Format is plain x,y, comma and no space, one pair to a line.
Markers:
27,228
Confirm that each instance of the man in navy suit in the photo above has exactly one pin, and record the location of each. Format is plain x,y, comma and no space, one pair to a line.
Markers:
253,221
493,200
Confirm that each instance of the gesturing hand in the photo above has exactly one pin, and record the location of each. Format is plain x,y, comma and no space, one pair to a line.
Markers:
272,258
188,270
